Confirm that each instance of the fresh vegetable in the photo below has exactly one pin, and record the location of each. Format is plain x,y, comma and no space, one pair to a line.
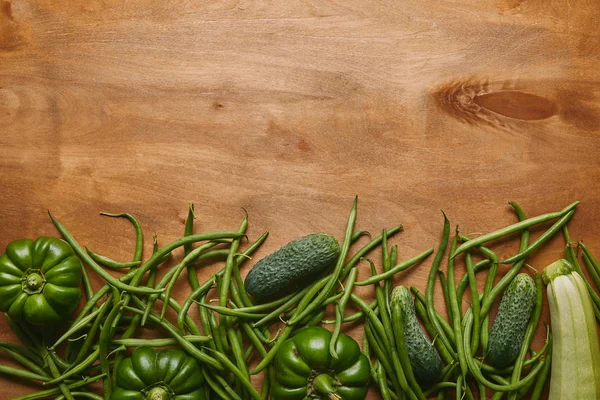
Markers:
304,369
169,374
514,313
424,360
291,265
39,280
575,370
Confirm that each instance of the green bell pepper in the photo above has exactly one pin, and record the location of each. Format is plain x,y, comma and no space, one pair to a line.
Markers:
168,374
40,281
304,369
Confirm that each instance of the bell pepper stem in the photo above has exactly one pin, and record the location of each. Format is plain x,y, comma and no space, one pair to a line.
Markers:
325,385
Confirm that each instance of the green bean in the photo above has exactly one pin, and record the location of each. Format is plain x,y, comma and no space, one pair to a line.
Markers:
316,318
393,271
447,329
572,258
335,275
254,339
352,317
386,331
266,306
390,260
82,366
134,342
490,291
386,265
398,332
157,257
339,311
104,340
285,333
542,239
139,236
529,334
464,282
59,362
99,294
366,248
91,334
223,289
542,378
380,354
459,387
440,386
215,343
237,373
587,255
78,326
87,283
187,346
27,363
513,228
232,312
431,312
456,312
383,386
87,395
236,348
199,291
23,331
109,262
476,371
439,345
205,287
177,271
20,373
292,300
16,350
444,285
475,305
50,392
591,270
98,269
216,388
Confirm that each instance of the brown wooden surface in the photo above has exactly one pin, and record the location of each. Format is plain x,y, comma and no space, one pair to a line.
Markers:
290,109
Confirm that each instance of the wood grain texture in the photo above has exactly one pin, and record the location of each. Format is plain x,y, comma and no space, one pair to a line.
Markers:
290,109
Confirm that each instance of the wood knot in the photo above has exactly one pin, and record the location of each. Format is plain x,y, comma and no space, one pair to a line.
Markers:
10,37
479,102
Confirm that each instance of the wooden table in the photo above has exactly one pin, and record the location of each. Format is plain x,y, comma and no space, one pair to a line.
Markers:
290,109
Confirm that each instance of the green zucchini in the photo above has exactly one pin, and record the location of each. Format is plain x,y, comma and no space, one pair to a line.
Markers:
575,372
424,359
514,313
295,264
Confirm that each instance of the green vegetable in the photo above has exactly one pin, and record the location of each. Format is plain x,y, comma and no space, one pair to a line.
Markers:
424,360
514,313
575,370
168,374
304,369
291,265
39,280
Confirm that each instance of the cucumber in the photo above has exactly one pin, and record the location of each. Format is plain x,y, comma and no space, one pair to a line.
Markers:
514,313
295,264
424,359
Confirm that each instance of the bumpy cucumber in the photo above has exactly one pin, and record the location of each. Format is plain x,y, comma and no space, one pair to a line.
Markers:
514,313
292,265
424,359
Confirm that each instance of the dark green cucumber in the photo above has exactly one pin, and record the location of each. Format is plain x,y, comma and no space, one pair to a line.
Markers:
424,359
295,264
514,313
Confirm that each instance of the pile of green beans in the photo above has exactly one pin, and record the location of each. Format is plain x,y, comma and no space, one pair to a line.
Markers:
234,339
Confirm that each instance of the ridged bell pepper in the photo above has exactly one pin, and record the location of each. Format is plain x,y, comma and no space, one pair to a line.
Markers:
40,280
168,374
304,369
